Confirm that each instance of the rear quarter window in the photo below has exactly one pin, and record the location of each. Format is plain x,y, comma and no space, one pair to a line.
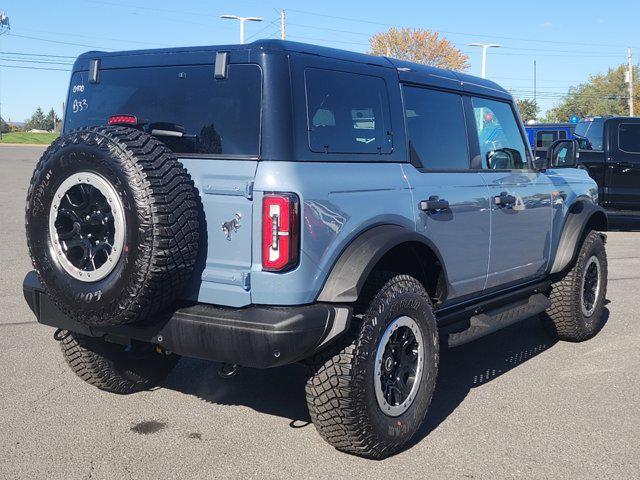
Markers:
217,116
347,112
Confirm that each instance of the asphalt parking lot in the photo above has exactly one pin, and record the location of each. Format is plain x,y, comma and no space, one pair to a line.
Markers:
512,405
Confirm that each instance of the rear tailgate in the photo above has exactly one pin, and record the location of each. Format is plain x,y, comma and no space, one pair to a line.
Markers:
226,191
213,126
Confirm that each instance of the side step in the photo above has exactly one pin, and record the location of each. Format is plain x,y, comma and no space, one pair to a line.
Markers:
488,322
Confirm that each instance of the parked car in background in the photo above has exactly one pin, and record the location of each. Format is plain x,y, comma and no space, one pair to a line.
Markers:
541,135
609,148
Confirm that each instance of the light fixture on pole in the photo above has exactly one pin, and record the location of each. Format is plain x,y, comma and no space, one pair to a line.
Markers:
241,20
484,47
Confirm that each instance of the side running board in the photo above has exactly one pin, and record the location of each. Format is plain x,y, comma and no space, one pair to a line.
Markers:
492,320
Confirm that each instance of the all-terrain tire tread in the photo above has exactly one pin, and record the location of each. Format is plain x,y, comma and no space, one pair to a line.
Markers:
170,221
562,319
331,390
82,354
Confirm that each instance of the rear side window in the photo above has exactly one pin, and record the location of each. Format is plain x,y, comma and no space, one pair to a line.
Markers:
546,138
436,128
501,144
629,137
215,116
347,112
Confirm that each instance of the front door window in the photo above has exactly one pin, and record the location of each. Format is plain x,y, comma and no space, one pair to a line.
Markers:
501,144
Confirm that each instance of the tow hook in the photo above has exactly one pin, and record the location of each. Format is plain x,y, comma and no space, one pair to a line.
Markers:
228,370
60,334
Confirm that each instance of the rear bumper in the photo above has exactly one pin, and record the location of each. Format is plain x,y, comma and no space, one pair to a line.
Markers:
255,336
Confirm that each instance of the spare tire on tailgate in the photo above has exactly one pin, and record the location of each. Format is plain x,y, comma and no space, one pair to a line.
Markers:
112,225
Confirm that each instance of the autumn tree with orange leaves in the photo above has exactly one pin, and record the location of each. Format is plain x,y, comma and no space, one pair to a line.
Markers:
420,46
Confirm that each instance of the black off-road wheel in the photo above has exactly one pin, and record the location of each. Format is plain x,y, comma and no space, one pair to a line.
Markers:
112,225
577,299
116,368
369,393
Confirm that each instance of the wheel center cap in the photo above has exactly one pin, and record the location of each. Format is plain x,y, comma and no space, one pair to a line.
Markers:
388,364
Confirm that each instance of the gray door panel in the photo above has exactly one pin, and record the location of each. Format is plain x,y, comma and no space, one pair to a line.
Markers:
461,232
520,232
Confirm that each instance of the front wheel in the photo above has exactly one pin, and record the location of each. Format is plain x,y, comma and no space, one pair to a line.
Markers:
369,393
577,299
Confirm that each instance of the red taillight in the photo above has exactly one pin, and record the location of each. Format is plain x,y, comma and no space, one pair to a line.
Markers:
280,231
123,120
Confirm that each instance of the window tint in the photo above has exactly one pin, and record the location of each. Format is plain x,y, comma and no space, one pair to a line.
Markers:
501,144
562,135
347,112
591,131
629,137
436,128
215,116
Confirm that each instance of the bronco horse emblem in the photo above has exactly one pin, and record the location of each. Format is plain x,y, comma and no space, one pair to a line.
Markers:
231,226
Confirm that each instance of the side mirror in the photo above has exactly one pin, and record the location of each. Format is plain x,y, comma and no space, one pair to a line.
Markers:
563,153
504,159
499,160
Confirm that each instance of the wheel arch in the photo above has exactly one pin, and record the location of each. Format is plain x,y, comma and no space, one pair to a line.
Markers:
385,247
582,217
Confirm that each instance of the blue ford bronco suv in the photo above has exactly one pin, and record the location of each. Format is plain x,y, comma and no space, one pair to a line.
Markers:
276,202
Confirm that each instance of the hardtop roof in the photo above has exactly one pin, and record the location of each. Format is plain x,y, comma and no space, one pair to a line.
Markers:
408,71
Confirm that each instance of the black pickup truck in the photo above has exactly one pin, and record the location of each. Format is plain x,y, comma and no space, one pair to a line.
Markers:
609,148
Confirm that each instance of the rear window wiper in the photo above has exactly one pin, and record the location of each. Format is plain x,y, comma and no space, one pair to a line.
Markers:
166,129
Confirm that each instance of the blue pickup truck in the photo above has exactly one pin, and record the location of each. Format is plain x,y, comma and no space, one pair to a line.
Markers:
276,202
542,135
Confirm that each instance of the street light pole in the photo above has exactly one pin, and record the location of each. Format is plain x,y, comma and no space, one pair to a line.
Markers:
630,81
241,20
5,26
485,47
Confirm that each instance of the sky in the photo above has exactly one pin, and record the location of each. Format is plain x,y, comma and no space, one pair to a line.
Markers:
568,40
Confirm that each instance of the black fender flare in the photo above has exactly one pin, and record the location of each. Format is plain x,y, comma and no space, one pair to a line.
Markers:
350,272
580,214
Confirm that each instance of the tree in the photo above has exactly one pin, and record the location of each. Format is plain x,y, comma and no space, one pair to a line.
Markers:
420,46
4,126
604,94
38,121
53,121
528,109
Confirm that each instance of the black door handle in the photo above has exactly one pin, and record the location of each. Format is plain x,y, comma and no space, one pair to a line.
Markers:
434,204
504,200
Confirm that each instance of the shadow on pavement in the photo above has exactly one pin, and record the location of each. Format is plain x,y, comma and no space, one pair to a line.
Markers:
477,363
280,391
275,391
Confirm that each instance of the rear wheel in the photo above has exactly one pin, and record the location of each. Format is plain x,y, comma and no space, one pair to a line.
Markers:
116,368
368,394
577,299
